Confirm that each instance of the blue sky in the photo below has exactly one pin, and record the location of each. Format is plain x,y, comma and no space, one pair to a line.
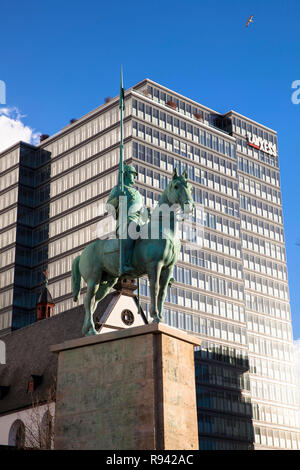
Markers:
60,59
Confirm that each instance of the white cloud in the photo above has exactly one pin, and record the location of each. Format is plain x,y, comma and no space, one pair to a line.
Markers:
12,129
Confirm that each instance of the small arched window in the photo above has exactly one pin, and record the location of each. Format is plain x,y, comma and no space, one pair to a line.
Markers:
47,430
16,435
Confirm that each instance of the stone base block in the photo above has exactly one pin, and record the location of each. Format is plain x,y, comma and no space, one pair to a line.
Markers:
132,389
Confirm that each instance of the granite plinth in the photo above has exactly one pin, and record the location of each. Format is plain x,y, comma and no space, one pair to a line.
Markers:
132,389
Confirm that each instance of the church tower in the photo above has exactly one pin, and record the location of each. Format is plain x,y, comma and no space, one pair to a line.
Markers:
45,302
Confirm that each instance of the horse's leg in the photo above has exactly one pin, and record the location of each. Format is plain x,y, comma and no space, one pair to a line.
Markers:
153,271
165,276
88,324
103,290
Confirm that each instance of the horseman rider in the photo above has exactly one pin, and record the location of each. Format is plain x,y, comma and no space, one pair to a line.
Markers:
134,208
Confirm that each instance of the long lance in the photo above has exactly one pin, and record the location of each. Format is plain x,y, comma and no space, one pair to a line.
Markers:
121,177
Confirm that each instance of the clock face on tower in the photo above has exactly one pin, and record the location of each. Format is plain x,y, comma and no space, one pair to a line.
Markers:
127,317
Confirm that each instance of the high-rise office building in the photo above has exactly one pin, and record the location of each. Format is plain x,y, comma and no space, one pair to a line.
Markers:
231,290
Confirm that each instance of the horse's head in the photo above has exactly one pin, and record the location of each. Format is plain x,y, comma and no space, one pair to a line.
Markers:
180,192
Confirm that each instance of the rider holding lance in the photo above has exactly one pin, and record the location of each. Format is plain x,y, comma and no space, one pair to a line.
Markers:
126,200
133,206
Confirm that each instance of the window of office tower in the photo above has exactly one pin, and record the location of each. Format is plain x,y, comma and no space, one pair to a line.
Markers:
177,126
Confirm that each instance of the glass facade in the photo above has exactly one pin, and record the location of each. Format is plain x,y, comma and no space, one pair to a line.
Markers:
24,232
231,290
9,177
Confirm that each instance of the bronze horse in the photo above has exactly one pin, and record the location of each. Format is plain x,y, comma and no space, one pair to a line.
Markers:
98,264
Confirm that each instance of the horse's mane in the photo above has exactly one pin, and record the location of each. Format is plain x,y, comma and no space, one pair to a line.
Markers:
180,178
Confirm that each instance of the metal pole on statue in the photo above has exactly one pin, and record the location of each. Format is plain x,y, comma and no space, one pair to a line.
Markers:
122,215
122,198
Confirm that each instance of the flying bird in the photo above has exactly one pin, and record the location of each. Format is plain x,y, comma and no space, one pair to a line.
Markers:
250,20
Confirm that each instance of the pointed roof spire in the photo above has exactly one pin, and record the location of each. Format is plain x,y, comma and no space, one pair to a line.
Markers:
45,296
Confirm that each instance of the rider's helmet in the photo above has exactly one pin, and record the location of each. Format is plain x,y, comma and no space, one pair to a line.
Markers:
130,169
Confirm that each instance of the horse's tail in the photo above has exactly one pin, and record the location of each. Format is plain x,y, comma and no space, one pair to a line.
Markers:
76,278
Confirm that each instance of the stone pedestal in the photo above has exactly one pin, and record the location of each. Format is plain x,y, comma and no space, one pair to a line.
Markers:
132,389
